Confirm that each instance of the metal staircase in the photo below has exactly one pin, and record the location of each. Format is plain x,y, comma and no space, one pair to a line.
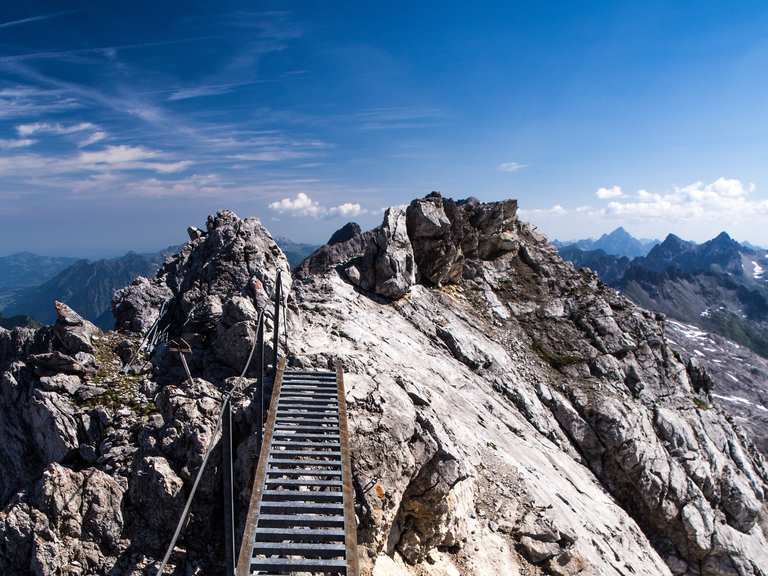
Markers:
301,516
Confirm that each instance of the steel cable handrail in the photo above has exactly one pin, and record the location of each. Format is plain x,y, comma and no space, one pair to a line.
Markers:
227,406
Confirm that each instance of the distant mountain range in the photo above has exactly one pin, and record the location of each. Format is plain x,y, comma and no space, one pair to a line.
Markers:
29,283
616,243
295,252
719,285
26,269
86,286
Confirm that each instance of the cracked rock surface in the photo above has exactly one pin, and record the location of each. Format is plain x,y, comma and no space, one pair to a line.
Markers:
509,414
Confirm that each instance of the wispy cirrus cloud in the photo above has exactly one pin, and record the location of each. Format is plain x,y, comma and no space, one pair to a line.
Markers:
200,91
95,137
511,167
110,158
273,155
28,101
55,128
39,18
303,205
109,51
8,144
398,118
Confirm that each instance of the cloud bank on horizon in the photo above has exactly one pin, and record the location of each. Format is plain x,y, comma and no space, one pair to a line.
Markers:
724,203
308,120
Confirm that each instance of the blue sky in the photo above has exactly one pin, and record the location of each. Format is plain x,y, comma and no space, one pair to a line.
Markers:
122,124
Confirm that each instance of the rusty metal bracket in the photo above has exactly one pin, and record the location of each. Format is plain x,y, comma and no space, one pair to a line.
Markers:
182,347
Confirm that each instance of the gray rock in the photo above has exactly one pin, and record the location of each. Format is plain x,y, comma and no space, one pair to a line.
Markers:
387,268
137,306
74,332
61,383
194,233
52,363
345,233
156,492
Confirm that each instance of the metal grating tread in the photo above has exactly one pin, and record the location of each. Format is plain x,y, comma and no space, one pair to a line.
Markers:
304,519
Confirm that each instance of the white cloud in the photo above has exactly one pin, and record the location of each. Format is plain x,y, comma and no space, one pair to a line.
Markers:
26,101
10,23
124,157
511,167
97,136
276,155
35,127
197,92
612,192
303,205
725,197
20,143
119,158
117,155
347,210
556,210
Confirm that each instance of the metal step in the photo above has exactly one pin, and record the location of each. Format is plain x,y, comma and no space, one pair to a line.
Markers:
309,398
303,472
297,463
303,565
309,520
302,495
303,482
293,435
299,549
303,444
335,454
324,384
294,507
302,407
299,534
312,416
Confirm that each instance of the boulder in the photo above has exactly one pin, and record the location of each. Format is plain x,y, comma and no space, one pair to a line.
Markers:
387,266
157,494
74,332
137,306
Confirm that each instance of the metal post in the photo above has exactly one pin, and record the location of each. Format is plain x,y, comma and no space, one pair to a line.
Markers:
182,347
260,392
276,319
229,504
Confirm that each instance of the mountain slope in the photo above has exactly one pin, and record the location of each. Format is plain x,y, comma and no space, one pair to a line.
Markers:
718,285
508,414
610,268
619,242
295,252
27,269
738,377
86,286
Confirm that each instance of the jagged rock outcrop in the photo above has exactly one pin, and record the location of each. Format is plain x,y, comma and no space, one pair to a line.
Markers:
509,414
540,363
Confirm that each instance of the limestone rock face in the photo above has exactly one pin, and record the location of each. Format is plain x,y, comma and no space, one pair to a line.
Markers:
508,414
386,268
561,404
137,307
76,333
69,523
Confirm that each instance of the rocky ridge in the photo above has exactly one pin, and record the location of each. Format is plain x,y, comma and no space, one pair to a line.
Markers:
509,414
